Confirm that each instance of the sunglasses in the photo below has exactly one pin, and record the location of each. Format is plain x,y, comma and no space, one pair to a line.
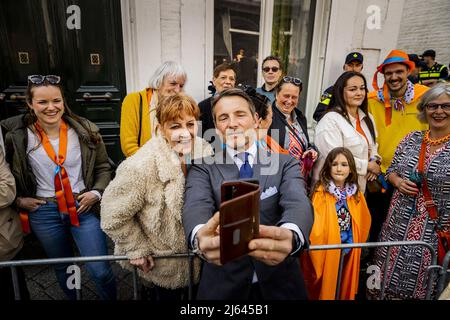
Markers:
435,106
40,79
293,80
267,69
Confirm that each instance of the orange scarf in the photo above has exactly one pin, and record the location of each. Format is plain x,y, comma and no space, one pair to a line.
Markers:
64,196
274,146
63,190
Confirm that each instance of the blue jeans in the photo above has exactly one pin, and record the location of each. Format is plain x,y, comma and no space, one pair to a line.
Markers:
53,230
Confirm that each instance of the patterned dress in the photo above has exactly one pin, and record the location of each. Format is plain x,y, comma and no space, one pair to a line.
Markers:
408,220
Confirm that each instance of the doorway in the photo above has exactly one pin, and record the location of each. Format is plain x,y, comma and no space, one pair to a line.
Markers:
79,40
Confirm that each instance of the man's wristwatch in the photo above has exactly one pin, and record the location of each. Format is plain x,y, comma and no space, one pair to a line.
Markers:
295,241
196,249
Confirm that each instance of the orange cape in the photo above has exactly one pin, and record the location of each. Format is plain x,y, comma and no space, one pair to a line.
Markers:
321,267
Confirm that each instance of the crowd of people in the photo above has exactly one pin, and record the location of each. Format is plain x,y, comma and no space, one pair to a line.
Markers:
376,169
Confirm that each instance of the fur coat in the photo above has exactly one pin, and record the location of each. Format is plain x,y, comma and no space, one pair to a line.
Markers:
141,211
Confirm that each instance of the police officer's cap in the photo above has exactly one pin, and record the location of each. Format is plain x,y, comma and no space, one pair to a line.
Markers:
354,56
429,53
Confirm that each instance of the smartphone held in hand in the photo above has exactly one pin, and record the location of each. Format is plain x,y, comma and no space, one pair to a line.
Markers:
239,218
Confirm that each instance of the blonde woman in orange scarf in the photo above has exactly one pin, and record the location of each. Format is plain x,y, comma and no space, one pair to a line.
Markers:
340,216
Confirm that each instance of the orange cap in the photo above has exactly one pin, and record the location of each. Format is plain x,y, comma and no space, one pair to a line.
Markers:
395,56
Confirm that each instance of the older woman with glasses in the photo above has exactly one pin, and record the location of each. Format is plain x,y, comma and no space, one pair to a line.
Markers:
61,168
138,116
289,128
420,206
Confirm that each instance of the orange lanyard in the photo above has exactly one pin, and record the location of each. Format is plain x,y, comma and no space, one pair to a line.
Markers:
443,236
149,97
431,208
63,190
387,106
361,131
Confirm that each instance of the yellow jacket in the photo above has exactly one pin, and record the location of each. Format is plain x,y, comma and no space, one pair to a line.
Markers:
321,267
129,122
402,123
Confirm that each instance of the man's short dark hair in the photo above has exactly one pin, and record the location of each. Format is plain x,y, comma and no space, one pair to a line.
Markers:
224,67
414,57
260,101
276,58
233,92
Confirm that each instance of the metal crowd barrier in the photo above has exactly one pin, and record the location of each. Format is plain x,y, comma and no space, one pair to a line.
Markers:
431,272
75,260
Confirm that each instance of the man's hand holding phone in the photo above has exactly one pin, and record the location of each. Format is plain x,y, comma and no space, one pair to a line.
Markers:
272,246
209,240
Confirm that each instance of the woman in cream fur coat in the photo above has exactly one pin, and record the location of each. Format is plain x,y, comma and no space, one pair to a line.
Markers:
141,208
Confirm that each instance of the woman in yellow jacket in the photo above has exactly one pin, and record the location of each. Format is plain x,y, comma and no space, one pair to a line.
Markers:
138,116
341,216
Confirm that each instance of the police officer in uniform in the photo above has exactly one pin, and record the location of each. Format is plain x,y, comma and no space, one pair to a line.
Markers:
353,62
434,71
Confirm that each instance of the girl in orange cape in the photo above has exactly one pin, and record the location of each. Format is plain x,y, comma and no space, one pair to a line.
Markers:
340,216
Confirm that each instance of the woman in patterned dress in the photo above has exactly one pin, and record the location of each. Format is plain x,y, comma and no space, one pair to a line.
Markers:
420,172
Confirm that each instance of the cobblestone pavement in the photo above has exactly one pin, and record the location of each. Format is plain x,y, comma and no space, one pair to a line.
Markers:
42,283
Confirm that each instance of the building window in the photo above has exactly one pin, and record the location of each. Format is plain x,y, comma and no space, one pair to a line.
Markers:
292,30
236,36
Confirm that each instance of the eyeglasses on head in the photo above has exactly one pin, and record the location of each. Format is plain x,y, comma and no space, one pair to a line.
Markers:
40,79
293,80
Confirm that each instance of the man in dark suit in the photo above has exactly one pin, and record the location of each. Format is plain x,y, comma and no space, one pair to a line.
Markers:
271,270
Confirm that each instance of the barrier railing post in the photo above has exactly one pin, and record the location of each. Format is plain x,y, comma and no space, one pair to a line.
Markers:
431,276
191,274
79,296
136,296
443,273
386,265
341,266
78,292
15,280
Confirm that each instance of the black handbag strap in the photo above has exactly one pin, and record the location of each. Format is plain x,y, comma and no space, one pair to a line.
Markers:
140,120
